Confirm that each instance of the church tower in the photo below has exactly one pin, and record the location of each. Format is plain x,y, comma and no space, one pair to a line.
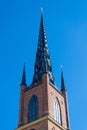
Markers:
42,105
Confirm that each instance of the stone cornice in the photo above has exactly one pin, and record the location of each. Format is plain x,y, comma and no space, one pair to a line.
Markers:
49,118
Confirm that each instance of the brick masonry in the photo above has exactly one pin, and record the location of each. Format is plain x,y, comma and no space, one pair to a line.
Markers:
46,94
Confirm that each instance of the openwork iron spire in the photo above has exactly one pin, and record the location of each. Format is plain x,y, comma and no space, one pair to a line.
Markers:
23,82
42,64
62,81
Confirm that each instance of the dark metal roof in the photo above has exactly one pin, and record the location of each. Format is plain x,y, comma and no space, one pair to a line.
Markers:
42,64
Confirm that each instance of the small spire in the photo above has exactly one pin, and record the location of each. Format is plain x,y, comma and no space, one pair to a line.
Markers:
23,82
62,80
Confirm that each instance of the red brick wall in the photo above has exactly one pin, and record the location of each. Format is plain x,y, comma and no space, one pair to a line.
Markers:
52,126
46,95
41,92
41,126
52,94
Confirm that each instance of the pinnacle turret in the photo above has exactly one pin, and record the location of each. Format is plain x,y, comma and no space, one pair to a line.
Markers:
42,64
62,82
23,82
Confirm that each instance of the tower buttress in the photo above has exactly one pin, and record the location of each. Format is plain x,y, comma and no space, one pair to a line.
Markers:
22,89
64,91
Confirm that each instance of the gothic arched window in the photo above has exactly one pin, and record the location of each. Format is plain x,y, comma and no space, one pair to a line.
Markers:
33,108
57,111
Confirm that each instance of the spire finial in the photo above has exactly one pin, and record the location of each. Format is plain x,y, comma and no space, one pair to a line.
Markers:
61,67
23,82
62,80
42,16
41,10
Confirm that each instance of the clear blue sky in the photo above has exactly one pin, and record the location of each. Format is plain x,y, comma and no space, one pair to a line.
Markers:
66,28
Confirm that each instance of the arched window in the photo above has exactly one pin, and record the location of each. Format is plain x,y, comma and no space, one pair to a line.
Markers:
33,108
57,111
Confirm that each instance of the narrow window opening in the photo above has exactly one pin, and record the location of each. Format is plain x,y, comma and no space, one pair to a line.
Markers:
33,109
57,111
